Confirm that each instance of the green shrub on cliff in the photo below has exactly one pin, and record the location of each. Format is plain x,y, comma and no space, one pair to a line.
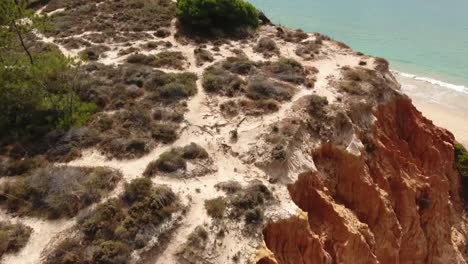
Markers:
461,156
225,15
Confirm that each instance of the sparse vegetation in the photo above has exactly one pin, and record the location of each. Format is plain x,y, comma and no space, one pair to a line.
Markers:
250,202
170,87
239,64
139,58
175,159
170,59
93,53
229,187
360,81
192,250
309,49
139,16
120,225
202,56
382,65
220,81
316,105
55,192
287,70
13,237
263,89
267,47
294,36
461,159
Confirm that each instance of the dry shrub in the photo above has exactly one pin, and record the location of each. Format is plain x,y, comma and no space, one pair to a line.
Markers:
170,87
203,56
175,160
134,16
251,202
382,65
287,70
93,53
220,81
55,192
139,58
216,207
308,50
267,47
13,237
263,89
169,59
192,250
239,64
110,232
229,187
294,36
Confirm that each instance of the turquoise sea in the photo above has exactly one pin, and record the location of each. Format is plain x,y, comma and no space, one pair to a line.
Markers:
427,38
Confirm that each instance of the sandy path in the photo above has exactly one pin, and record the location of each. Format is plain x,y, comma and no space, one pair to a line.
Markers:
43,232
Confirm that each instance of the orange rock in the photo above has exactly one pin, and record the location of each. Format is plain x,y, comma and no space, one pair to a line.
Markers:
398,202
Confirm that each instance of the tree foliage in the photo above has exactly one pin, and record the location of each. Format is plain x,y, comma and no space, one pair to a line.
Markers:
227,15
36,87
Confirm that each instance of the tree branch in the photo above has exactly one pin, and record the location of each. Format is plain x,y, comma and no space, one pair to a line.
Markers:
20,36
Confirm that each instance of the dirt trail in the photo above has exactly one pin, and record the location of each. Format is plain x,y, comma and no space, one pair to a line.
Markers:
205,126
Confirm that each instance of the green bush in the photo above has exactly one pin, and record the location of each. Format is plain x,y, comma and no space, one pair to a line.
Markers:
39,98
13,237
227,15
461,156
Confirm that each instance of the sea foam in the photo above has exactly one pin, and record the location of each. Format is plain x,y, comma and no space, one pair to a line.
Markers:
455,87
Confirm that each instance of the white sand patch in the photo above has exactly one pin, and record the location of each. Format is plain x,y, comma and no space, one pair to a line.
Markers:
43,233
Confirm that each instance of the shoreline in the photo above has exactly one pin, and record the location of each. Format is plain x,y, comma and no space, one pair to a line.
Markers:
445,107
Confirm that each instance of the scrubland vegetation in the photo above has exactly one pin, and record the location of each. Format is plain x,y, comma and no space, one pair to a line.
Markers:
176,159
13,237
362,81
256,88
461,159
55,192
247,203
109,233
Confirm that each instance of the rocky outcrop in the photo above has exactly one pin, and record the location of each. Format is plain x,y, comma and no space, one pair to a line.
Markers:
397,202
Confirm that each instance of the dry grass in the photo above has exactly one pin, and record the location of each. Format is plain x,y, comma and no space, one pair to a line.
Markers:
13,237
267,47
216,207
110,232
175,160
55,192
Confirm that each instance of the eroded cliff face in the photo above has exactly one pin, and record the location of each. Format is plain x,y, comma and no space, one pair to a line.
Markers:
397,202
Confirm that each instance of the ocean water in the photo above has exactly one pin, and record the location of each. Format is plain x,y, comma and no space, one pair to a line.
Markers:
428,39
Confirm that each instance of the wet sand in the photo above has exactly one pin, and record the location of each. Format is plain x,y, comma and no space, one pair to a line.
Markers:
445,107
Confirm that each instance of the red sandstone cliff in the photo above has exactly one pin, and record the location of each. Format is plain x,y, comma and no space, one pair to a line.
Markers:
398,202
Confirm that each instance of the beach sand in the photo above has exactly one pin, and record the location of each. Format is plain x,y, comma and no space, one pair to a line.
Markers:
445,107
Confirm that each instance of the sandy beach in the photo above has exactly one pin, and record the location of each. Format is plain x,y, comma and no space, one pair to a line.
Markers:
445,107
